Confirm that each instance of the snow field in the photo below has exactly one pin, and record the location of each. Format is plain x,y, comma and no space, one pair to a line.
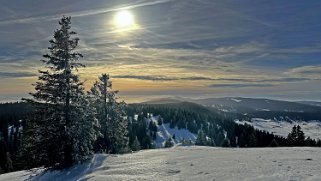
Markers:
192,163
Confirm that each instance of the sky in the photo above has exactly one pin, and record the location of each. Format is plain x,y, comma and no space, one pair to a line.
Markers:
180,48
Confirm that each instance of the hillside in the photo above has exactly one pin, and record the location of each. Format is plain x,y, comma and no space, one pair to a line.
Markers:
240,104
275,116
243,105
164,132
191,163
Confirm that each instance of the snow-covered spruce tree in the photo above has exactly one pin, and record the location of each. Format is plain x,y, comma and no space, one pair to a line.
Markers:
84,130
135,145
296,137
65,125
201,138
111,115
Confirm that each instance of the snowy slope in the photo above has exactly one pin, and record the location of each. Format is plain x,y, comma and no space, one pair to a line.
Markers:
164,132
193,163
283,128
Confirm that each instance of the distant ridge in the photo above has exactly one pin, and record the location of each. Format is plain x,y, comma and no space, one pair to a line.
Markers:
311,103
168,100
241,104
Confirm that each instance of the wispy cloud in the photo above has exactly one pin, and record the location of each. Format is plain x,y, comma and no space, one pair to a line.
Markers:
153,78
80,13
240,85
201,78
160,77
16,74
311,72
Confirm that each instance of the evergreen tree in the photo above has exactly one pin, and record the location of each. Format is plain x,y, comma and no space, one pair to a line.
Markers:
169,143
135,145
291,139
62,117
201,138
296,137
226,143
274,143
300,136
310,142
83,140
111,115
160,121
252,141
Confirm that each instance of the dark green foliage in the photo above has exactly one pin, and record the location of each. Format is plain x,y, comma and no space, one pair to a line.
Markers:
310,142
135,146
160,121
137,128
111,116
274,143
62,114
201,139
152,127
225,143
169,143
296,137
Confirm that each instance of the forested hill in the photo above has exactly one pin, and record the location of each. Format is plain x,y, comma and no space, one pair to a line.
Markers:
213,128
147,122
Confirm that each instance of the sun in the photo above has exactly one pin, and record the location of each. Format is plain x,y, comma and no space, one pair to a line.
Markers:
124,19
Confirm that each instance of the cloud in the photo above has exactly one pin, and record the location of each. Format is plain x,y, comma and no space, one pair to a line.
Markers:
239,85
142,77
196,78
200,78
16,74
288,79
306,71
79,13
160,78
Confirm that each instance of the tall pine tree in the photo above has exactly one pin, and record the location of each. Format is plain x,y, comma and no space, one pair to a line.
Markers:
63,118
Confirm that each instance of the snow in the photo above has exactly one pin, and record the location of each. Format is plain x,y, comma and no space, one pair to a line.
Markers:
164,132
224,110
192,163
236,100
283,128
265,110
21,175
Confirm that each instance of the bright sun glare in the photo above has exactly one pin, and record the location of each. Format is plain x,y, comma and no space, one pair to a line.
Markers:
124,19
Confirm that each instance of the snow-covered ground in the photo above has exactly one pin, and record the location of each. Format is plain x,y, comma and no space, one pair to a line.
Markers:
192,163
164,132
283,128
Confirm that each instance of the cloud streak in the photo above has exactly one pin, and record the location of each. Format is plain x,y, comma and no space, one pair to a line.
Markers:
202,78
80,13
240,85
16,74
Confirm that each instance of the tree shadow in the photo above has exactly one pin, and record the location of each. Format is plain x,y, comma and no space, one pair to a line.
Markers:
76,172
